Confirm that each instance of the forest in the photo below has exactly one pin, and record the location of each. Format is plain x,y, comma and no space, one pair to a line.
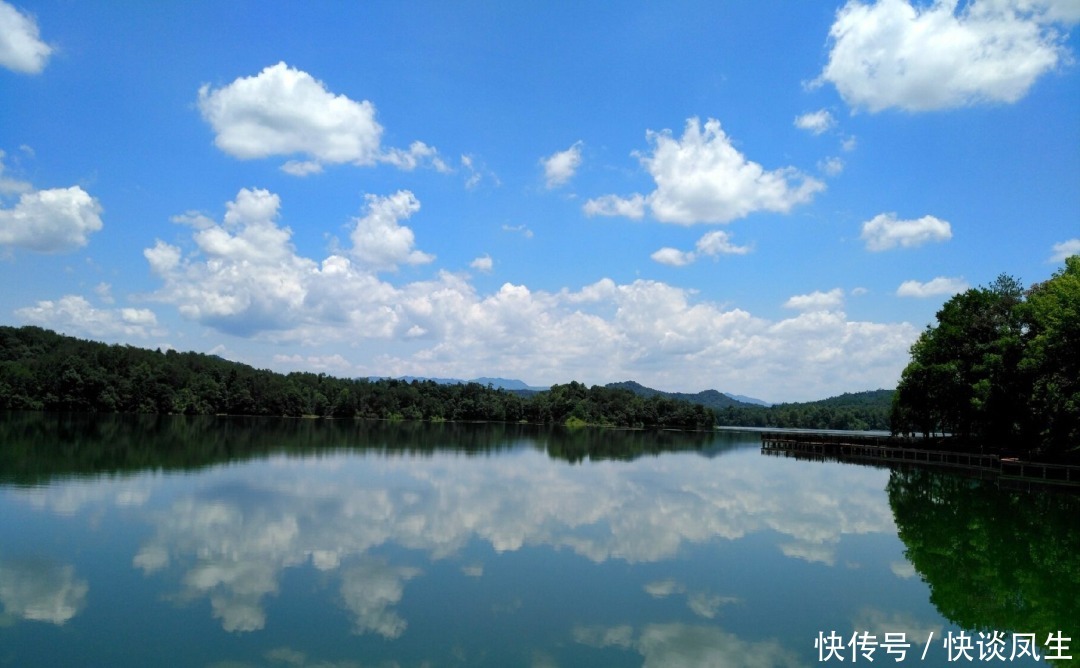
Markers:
43,370
857,411
1001,367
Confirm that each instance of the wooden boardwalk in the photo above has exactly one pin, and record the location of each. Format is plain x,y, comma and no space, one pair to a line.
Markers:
891,450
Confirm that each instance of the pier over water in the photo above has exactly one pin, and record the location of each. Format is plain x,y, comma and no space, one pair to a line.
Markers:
897,450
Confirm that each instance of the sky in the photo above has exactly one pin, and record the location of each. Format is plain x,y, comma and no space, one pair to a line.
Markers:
766,198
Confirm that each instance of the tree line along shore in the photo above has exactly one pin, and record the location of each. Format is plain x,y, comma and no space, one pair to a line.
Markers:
1000,367
43,370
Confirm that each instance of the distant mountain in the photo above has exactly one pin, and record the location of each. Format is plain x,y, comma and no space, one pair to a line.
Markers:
748,400
708,398
511,384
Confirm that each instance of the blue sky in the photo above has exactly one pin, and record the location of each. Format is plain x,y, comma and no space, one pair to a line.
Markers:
766,198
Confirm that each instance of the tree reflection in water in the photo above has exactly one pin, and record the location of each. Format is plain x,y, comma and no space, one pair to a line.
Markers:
995,559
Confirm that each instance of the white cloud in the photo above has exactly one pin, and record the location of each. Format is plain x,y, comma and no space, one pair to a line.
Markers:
711,244
945,54
476,172
673,257
884,231
717,243
283,111
1064,249
334,364
245,277
831,166
561,166
613,205
941,285
522,229
72,314
817,301
483,263
418,154
379,241
51,221
815,122
703,178
302,167
21,48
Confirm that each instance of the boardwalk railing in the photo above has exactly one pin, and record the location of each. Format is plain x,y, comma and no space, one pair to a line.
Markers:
889,450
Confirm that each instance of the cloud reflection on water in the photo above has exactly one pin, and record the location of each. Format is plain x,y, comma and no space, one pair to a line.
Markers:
40,590
230,535
675,645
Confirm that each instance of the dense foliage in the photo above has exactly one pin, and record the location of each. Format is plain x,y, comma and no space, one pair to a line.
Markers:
1000,367
859,411
42,370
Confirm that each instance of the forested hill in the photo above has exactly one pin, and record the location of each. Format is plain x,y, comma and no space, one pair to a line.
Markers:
708,398
43,370
863,411
858,411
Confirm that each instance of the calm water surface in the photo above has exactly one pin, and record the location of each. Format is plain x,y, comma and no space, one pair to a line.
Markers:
224,542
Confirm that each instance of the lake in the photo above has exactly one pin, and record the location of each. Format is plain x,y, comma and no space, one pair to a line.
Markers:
141,540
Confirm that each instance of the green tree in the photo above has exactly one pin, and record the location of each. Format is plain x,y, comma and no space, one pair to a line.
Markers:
1051,356
964,375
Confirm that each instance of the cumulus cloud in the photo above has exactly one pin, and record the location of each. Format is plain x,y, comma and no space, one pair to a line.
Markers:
50,221
379,240
942,285
944,54
702,178
561,166
74,315
817,301
245,277
711,244
483,263
815,122
885,231
1064,249
283,111
21,48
